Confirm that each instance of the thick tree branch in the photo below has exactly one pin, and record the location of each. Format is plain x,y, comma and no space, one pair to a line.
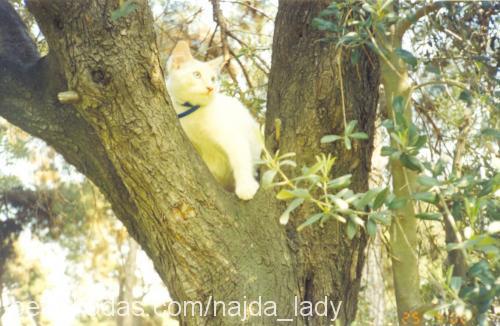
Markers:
28,99
15,42
28,88
124,135
406,23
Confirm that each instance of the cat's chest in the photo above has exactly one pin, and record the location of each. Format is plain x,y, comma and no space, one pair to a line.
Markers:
200,126
203,131
205,135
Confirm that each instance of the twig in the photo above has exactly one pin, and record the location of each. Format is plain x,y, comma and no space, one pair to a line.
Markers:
422,110
440,81
245,73
219,19
211,40
339,65
461,142
257,10
243,44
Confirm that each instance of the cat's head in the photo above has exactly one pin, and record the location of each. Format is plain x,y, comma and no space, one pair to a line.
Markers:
192,80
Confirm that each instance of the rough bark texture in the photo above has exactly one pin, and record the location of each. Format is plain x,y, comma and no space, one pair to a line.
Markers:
124,135
304,93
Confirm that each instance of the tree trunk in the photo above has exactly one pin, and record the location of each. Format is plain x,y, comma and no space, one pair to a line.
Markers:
123,134
304,94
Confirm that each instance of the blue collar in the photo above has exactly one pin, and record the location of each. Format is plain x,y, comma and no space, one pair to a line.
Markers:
192,108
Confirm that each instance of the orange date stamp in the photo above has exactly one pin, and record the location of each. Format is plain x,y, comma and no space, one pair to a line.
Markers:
416,318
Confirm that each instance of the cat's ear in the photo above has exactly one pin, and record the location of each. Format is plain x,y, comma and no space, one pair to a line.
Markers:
217,63
180,55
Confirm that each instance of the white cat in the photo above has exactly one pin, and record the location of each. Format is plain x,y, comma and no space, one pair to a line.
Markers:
219,126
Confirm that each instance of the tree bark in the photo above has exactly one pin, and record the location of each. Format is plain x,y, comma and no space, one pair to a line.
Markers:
123,134
304,94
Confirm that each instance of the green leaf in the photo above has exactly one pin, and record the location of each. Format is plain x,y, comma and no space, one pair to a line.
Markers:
427,197
293,205
398,104
367,198
410,162
324,25
388,151
430,216
301,193
358,220
456,284
478,268
420,141
433,69
438,168
464,181
350,127
412,133
352,229
388,124
490,132
268,177
311,220
347,143
355,56
286,155
368,8
341,204
465,96
331,10
330,138
288,163
427,181
313,169
407,57
380,217
380,199
126,8
340,182
397,203
285,194
397,138
371,228
349,196
349,38
487,187
359,135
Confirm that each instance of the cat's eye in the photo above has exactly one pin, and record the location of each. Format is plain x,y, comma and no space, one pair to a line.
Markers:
197,74
213,79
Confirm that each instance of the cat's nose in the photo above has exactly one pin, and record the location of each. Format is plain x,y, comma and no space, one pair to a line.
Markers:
210,89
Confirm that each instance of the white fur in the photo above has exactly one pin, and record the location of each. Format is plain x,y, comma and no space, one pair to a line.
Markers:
222,130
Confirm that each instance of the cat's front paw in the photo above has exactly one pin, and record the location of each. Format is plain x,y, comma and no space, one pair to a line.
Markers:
246,190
